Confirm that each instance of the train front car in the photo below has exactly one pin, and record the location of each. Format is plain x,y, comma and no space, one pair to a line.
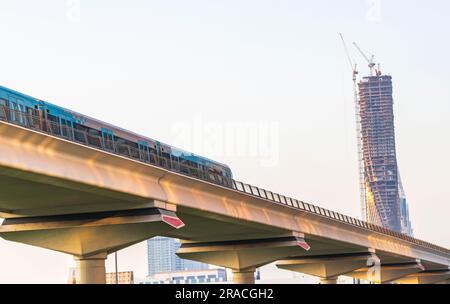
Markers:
21,109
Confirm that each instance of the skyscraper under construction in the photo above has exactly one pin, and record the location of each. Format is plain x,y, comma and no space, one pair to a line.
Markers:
383,199
385,202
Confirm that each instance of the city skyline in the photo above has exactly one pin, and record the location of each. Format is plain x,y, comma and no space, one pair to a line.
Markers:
271,64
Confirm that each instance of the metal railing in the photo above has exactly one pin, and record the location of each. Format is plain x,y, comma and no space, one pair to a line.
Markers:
309,208
96,141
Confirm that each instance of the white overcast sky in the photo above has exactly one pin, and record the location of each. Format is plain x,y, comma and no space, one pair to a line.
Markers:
188,72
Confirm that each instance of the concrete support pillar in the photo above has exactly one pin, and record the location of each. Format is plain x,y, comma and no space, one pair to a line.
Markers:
244,276
329,267
426,277
90,237
243,256
330,280
91,270
387,273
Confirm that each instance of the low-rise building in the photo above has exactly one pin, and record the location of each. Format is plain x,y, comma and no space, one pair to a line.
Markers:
125,277
203,276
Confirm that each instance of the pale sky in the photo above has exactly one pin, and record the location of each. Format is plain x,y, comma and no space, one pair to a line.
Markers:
275,70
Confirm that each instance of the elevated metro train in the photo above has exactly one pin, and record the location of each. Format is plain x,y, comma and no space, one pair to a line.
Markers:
43,116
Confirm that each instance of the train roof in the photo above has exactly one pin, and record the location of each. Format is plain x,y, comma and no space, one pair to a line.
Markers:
108,125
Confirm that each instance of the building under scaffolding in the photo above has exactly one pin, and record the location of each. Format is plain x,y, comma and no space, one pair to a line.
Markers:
385,201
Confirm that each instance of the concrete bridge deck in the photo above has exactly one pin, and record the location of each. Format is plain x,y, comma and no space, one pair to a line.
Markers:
56,186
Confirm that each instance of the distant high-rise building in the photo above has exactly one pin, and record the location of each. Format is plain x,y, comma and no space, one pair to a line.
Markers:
404,210
385,201
162,258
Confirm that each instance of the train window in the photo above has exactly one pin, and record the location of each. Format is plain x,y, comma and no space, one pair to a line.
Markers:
79,133
53,124
13,107
127,147
210,176
204,171
175,163
134,152
184,166
153,150
94,132
122,147
194,170
165,159
108,139
19,111
66,128
143,152
94,138
153,156
3,106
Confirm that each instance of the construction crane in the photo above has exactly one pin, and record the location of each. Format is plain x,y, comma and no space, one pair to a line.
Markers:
353,66
370,62
362,188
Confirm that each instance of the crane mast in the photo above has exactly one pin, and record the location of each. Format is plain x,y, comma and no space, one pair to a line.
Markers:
362,188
